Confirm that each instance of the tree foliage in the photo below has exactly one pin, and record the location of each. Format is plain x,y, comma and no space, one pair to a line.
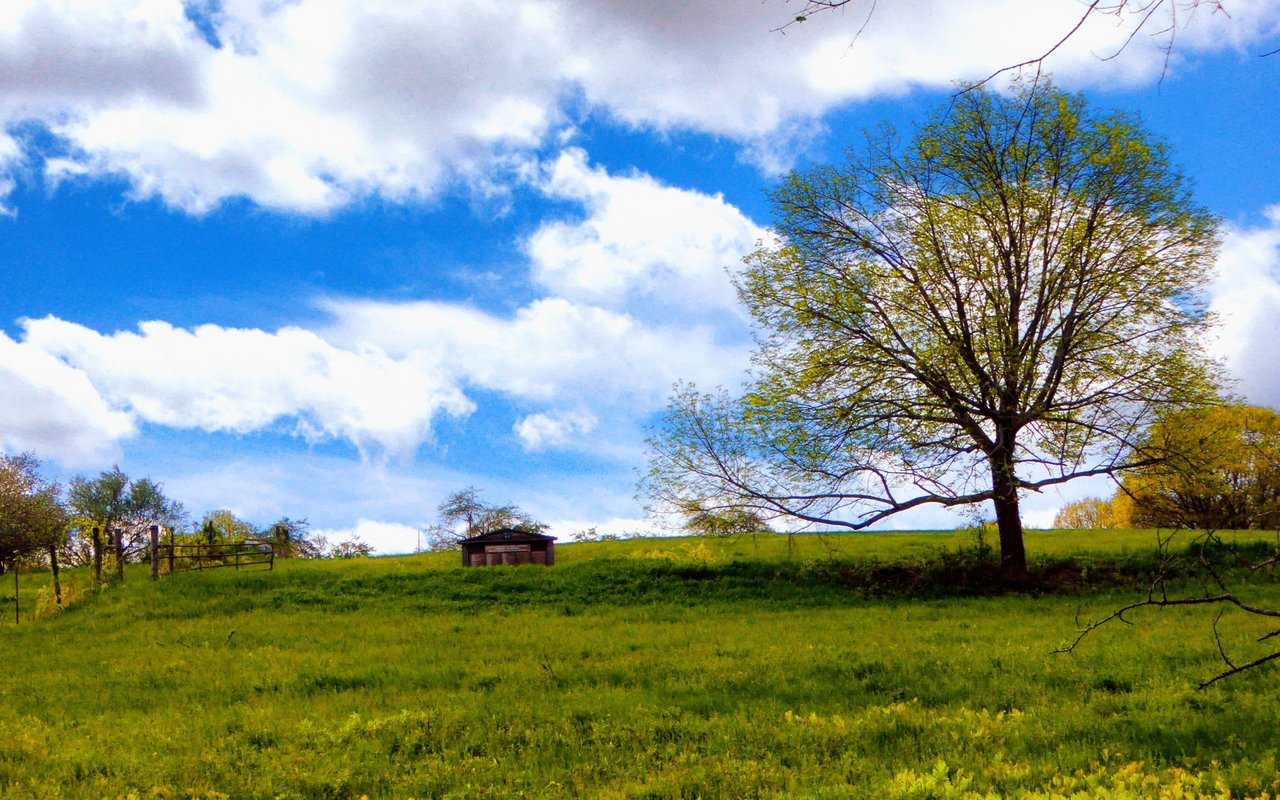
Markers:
1091,513
1217,468
354,547
478,517
224,526
723,522
292,538
118,510
1001,303
32,516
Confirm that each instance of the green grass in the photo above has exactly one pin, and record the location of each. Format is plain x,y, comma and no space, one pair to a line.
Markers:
639,669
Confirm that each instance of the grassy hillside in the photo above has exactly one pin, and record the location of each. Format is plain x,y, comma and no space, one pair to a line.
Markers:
808,667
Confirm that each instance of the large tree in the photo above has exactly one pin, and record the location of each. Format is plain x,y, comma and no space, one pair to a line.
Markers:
1000,303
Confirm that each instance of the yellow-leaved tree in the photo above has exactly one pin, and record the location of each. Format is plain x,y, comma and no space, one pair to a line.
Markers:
1215,469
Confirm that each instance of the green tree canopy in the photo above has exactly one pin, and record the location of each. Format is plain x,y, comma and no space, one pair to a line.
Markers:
292,538
1002,302
224,526
32,516
118,510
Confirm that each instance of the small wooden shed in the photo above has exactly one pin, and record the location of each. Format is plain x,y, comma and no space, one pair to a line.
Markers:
508,546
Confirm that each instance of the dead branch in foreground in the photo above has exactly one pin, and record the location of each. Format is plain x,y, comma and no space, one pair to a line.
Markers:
1210,558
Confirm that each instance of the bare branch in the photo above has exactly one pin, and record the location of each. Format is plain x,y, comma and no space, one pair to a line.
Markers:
1158,597
1142,14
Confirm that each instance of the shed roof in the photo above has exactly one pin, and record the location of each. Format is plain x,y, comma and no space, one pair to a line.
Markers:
509,535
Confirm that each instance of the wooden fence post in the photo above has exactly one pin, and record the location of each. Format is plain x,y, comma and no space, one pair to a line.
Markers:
171,549
155,552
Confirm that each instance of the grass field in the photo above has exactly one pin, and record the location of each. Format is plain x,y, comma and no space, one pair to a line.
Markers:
770,667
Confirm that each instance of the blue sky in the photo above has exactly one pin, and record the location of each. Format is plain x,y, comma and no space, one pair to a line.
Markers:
334,259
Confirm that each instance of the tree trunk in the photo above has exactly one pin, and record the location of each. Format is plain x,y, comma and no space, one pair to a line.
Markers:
1004,486
96,535
119,543
53,565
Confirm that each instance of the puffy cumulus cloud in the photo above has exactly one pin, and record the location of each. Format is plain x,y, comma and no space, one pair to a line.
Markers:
551,350
310,105
54,408
379,376
223,379
540,431
1246,297
721,67
60,54
638,238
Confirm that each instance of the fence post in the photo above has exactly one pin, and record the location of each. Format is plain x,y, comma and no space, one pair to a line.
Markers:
171,549
155,552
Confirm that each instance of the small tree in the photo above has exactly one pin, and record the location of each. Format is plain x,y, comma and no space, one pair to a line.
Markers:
1003,303
724,522
463,506
291,538
466,506
352,548
224,526
32,517
118,511
440,538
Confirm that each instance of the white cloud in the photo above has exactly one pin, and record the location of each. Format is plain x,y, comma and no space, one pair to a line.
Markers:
1246,297
379,377
551,350
386,538
10,161
540,431
622,527
639,238
60,54
54,408
225,379
314,104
